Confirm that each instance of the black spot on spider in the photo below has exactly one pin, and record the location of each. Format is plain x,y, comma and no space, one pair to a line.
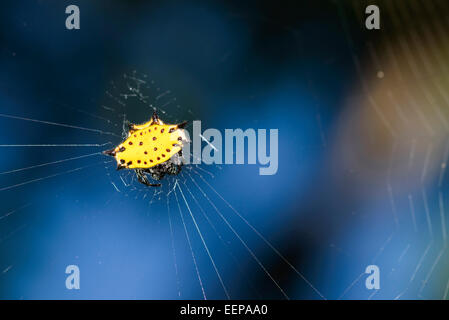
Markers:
146,152
158,158
130,143
138,161
162,130
144,162
151,160
122,161
171,130
129,163
141,133
179,138
154,138
140,143
149,130
168,150
163,155
155,149
135,136
122,149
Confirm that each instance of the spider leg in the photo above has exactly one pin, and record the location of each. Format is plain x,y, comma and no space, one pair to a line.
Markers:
142,177
174,169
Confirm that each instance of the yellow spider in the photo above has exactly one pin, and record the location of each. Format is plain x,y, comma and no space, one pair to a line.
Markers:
151,148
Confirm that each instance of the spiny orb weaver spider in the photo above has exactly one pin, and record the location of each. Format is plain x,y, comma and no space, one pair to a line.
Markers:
152,148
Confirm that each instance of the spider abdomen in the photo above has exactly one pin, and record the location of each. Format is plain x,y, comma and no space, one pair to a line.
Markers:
148,145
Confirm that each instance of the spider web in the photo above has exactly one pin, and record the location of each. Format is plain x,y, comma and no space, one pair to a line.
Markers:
194,196
190,199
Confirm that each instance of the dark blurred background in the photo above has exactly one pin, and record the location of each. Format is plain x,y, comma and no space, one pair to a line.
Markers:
362,117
